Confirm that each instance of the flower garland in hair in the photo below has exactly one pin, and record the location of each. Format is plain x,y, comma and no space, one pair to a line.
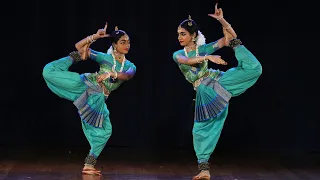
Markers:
201,40
110,50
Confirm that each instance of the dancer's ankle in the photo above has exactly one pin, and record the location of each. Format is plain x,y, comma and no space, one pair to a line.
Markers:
90,161
204,166
234,43
87,166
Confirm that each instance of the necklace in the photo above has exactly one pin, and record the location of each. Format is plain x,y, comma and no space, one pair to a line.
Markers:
115,63
197,54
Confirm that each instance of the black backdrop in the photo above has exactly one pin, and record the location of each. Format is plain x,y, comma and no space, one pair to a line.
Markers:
154,109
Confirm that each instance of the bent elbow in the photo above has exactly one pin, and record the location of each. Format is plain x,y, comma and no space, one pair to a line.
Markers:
77,46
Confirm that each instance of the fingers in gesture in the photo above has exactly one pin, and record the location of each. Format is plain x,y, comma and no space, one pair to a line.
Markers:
218,14
102,33
217,59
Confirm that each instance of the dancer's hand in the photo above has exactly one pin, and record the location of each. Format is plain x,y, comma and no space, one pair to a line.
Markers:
103,77
218,14
102,33
216,59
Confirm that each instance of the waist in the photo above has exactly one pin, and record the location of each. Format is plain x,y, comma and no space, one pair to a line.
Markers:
106,92
198,82
95,86
215,77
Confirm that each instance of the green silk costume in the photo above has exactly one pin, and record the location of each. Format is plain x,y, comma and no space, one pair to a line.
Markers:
214,89
87,94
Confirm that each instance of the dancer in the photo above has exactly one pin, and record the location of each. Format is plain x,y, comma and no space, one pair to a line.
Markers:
89,91
214,88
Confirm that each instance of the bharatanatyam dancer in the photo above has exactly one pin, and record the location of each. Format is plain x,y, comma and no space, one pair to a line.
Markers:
89,91
214,88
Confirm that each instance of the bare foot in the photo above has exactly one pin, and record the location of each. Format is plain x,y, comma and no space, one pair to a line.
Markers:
203,175
91,170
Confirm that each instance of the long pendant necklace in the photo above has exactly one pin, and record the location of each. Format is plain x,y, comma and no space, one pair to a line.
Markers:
115,63
197,54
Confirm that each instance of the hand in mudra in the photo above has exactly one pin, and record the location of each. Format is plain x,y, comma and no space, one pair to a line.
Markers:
218,14
103,77
102,33
216,59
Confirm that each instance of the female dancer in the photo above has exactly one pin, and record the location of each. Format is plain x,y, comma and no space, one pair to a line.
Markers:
213,88
89,91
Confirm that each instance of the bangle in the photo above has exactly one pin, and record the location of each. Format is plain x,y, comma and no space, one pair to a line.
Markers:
116,75
204,58
220,18
228,27
91,38
88,39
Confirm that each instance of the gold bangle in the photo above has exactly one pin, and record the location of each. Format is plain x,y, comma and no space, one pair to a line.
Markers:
87,39
116,75
92,40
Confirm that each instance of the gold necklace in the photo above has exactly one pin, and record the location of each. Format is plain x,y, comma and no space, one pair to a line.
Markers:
197,54
114,63
191,47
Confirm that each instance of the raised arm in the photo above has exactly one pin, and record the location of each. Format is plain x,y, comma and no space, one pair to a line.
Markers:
218,15
83,45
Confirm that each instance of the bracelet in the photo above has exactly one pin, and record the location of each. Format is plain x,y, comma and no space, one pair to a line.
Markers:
228,27
204,59
90,39
116,75
220,18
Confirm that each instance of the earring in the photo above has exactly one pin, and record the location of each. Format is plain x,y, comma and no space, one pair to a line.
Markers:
114,49
193,39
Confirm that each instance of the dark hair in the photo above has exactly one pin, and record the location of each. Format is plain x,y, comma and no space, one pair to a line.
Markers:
116,35
190,26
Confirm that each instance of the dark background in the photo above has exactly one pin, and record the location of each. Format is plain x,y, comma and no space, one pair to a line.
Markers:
154,110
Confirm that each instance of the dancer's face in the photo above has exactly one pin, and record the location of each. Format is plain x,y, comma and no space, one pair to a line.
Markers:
184,37
123,44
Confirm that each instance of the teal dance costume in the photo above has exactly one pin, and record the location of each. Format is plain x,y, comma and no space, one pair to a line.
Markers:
87,94
214,89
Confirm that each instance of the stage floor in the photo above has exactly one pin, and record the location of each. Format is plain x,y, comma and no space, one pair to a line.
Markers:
123,163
